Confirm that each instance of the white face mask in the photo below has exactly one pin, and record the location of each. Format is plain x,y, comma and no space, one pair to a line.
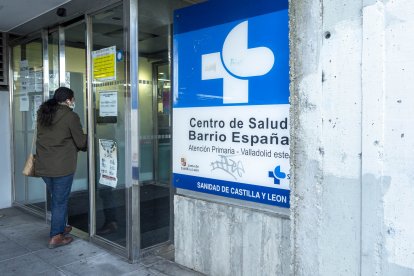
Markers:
72,105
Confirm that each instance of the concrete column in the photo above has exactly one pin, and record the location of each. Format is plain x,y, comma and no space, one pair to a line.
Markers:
352,152
388,150
326,133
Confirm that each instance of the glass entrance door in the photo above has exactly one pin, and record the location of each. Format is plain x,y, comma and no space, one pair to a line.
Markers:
155,145
162,146
155,21
109,107
100,96
27,64
75,78
155,24
67,67
65,61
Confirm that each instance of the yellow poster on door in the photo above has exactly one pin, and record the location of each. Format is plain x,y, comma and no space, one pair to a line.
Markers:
104,64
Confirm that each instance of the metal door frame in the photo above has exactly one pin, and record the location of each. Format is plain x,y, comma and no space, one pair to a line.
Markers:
132,143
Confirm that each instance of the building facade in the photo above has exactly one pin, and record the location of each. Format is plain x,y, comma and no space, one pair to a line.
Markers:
324,189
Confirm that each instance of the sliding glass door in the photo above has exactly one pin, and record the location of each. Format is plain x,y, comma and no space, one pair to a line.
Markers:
109,95
75,78
27,64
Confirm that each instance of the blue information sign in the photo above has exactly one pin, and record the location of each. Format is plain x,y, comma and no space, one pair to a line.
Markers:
231,100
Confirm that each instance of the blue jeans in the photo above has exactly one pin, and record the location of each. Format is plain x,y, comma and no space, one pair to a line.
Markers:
59,189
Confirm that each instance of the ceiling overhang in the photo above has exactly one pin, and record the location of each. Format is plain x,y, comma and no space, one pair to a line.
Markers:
18,12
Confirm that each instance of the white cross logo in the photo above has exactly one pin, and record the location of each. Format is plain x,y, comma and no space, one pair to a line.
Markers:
235,63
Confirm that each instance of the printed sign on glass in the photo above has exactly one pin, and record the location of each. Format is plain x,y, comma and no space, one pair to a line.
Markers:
24,75
24,102
108,103
104,64
108,163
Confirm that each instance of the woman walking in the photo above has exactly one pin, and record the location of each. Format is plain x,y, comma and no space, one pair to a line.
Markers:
59,138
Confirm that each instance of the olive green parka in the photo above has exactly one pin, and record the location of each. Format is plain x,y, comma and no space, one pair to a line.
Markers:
57,145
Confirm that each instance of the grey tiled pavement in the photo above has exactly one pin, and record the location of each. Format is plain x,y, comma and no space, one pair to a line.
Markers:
23,251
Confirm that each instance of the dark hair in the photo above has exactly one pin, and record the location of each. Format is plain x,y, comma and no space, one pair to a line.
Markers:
48,109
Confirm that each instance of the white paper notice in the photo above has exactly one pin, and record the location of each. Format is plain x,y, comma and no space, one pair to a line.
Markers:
38,81
108,163
24,75
37,101
31,81
108,103
24,103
